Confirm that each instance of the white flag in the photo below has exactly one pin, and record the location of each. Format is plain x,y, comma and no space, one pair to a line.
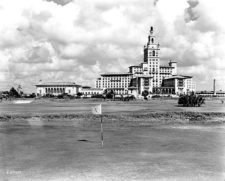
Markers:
97,109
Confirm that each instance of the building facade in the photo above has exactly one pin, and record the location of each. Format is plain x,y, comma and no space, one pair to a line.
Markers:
57,88
118,82
70,88
89,92
176,84
148,75
211,93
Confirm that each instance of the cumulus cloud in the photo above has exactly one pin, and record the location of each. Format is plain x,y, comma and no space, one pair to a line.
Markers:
61,2
190,13
76,40
194,37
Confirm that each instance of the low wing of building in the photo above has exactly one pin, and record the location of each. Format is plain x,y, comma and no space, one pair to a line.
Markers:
89,92
176,84
57,88
70,88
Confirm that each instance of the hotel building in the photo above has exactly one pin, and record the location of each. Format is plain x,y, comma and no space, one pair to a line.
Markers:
149,75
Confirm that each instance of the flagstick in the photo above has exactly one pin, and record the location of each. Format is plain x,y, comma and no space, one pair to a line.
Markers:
102,132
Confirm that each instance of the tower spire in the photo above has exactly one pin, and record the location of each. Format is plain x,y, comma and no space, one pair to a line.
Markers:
151,37
151,30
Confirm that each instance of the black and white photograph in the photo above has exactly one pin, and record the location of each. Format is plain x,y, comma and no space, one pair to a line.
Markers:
112,90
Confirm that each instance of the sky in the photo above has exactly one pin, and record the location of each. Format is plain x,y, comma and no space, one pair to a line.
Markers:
77,40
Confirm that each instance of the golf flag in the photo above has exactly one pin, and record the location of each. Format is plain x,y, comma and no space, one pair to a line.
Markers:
97,109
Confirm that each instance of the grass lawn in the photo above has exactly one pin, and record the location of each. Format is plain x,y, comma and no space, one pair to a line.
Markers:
51,141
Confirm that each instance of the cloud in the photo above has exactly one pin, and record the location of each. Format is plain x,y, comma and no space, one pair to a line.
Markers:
61,2
194,38
155,2
39,54
190,13
76,40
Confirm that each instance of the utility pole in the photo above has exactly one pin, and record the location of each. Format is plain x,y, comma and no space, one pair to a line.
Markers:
214,87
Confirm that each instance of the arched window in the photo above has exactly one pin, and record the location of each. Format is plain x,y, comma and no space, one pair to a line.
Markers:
153,53
152,40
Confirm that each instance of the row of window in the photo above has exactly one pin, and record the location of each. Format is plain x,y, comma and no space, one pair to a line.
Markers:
113,86
91,93
119,78
153,53
55,90
153,59
153,63
117,86
165,72
137,68
112,81
116,77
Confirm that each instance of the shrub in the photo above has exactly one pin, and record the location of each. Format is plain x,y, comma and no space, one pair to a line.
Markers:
97,96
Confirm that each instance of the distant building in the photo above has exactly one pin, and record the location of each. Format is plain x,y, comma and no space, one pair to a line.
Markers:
118,82
211,93
70,88
88,92
191,86
176,84
149,75
56,88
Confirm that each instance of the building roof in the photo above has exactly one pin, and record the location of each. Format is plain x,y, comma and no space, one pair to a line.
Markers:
176,77
86,87
163,87
92,89
135,66
57,84
144,76
187,76
172,61
167,67
116,88
116,74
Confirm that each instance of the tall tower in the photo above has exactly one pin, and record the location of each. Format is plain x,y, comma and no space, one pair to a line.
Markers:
152,58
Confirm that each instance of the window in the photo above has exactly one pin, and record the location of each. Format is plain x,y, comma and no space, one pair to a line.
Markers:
152,40
180,83
153,53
